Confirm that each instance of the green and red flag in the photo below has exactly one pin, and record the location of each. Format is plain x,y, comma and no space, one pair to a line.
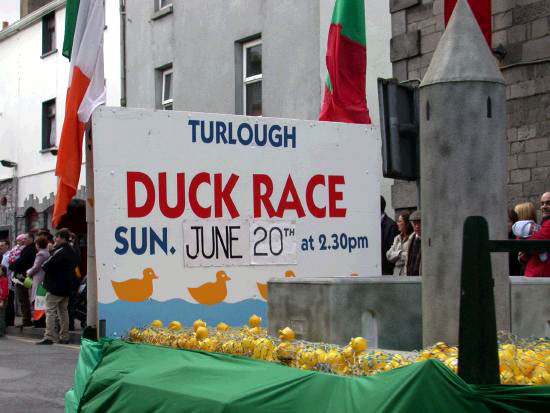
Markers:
83,45
39,302
482,12
345,98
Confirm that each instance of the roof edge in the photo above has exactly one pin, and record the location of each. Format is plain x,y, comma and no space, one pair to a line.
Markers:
30,19
456,80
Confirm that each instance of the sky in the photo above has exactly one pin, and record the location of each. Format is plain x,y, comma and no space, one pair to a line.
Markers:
9,10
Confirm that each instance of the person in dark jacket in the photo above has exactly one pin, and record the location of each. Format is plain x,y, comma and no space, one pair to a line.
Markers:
73,298
19,268
59,273
389,232
414,258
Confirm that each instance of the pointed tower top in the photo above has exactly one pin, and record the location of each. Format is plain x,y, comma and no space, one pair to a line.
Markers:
462,53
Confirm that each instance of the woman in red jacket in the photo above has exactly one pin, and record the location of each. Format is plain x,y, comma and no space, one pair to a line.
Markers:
3,298
539,264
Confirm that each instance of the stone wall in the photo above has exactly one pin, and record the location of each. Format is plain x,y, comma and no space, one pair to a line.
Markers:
528,105
44,207
7,211
521,41
386,310
529,306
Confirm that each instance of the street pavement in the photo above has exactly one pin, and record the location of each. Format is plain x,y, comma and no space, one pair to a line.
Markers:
35,378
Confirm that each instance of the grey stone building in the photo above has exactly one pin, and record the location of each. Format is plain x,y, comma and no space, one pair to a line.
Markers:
521,43
7,208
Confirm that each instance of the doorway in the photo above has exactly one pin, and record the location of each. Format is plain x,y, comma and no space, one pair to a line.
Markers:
75,221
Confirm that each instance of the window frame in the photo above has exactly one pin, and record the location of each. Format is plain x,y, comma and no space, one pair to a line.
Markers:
167,102
47,124
159,6
250,79
49,27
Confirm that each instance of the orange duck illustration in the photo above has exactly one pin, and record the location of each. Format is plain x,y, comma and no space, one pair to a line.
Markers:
262,288
135,290
211,293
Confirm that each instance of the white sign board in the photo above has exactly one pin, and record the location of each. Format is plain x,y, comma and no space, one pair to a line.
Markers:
194,212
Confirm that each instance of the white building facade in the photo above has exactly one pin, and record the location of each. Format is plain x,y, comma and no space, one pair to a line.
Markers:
33,87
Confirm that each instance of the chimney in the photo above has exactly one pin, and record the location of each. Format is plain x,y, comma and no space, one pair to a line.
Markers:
5,25
28,6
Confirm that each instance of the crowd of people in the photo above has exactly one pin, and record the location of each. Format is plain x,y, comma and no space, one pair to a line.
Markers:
53,263
523,224
401,242
401,252
36,260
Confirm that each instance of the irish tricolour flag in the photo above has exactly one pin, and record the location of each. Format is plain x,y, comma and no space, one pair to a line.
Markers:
83,45
345,99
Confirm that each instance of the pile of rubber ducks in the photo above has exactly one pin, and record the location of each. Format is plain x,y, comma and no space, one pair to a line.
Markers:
252,341
520,362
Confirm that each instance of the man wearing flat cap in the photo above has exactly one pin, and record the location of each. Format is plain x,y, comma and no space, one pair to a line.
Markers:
414,259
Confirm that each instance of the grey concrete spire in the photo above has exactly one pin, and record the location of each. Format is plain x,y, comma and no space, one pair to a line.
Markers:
462,53
463,170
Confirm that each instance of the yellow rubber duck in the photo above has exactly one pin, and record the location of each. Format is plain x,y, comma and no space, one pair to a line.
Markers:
211,293
262,288
135,290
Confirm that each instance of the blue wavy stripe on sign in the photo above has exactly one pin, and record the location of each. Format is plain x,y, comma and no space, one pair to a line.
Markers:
121,316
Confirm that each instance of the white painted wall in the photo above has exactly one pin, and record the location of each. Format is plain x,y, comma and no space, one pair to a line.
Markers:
378,33
27,80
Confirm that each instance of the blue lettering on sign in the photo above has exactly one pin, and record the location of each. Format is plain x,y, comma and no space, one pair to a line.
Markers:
210,137
231,139
121,240
240,134
275,138
220,132
148,241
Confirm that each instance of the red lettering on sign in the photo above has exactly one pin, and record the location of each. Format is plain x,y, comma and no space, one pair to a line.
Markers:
290,204
257,181
132,178
223,196
167,211
198,209
334,196
314,209
262,191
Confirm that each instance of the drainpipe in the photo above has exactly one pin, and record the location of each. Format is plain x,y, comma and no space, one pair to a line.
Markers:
122,53
15,183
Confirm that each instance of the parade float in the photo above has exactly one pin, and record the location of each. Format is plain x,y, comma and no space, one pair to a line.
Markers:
172,368
195,248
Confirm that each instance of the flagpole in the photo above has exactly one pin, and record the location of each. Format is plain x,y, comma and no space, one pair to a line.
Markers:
91,315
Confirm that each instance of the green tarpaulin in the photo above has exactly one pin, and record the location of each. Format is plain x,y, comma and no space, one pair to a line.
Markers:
117,376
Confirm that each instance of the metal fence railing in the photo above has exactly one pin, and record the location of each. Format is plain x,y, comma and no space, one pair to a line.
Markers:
478,361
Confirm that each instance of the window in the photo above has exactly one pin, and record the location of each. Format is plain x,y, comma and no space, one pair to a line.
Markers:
48,34
161,4
166,99
252,78
49,139
162,8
